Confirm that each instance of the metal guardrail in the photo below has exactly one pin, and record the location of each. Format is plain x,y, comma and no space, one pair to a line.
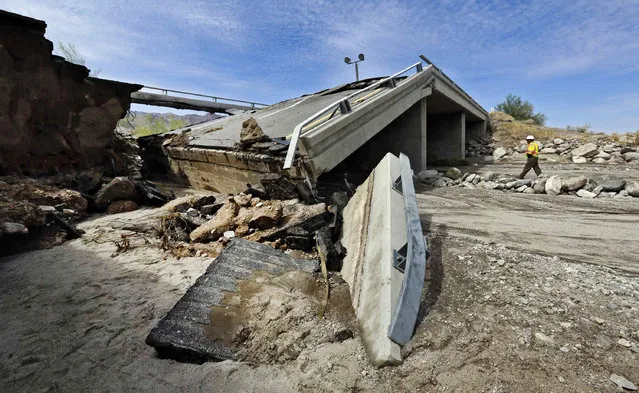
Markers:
404,318
344,106
214,98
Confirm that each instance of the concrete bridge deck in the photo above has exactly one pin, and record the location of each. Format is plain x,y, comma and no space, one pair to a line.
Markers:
424,115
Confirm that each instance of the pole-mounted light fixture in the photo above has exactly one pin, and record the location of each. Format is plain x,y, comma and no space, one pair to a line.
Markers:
348,60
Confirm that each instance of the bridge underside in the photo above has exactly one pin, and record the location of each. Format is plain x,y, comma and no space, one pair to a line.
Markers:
426,116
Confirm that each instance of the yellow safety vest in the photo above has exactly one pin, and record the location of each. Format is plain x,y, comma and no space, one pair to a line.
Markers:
533,149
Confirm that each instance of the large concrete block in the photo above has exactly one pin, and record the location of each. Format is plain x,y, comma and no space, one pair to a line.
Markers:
375,285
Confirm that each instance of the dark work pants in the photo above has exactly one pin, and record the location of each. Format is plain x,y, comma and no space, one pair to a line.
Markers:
532,163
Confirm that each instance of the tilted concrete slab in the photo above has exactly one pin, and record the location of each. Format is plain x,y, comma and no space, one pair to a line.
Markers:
373,282
181,335
381,227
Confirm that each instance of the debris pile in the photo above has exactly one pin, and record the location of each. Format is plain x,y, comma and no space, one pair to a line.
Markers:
42,212
553,185
205,224
36,215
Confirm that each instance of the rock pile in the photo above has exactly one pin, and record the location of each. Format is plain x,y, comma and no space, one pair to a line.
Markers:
553,185
556,144
482,146
602,151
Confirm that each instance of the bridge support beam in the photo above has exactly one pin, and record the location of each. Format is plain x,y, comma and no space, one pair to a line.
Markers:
446,137
406,134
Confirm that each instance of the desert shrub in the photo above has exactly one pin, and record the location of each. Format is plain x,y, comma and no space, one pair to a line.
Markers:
584,128
153,125
71,54
521,109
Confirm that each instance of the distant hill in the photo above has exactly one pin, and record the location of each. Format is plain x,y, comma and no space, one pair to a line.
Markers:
145,123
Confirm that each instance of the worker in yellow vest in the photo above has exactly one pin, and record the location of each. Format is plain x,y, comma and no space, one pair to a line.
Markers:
532,152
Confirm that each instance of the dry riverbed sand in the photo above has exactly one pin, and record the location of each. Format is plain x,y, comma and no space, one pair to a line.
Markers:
503,311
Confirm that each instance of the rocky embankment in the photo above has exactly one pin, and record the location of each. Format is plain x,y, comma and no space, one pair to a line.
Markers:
558,145
578,185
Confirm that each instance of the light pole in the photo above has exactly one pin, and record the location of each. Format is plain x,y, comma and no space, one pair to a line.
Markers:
347,60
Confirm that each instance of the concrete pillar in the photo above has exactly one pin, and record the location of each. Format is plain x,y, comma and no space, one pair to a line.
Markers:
446,139
419,166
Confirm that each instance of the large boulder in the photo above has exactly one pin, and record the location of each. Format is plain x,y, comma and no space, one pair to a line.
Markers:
223,221
119,189
633,188
631,156
540,186
579,159
427,175
586,194
453,173
553,185
613,185
251,132
603,154
573,183
499,153
587,150
13,228
266,216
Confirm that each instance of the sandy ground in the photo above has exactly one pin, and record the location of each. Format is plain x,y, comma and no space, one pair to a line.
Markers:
597,231
509,307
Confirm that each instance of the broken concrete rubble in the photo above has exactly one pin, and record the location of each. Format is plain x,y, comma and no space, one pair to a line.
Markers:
215,227
119,189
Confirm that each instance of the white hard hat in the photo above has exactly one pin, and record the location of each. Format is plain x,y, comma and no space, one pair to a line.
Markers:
529,137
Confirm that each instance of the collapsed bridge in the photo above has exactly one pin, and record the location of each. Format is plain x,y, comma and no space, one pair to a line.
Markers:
418,111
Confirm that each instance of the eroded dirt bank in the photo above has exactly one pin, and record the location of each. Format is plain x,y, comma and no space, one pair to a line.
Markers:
494,318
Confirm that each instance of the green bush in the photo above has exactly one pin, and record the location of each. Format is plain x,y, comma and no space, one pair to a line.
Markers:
520,109
153,125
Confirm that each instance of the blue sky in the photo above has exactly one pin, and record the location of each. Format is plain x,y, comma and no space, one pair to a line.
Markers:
577,61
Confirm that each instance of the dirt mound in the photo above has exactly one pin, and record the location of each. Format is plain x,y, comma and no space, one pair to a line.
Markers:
272,319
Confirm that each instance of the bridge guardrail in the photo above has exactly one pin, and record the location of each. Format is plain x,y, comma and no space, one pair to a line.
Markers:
214,98
412,263
344,106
